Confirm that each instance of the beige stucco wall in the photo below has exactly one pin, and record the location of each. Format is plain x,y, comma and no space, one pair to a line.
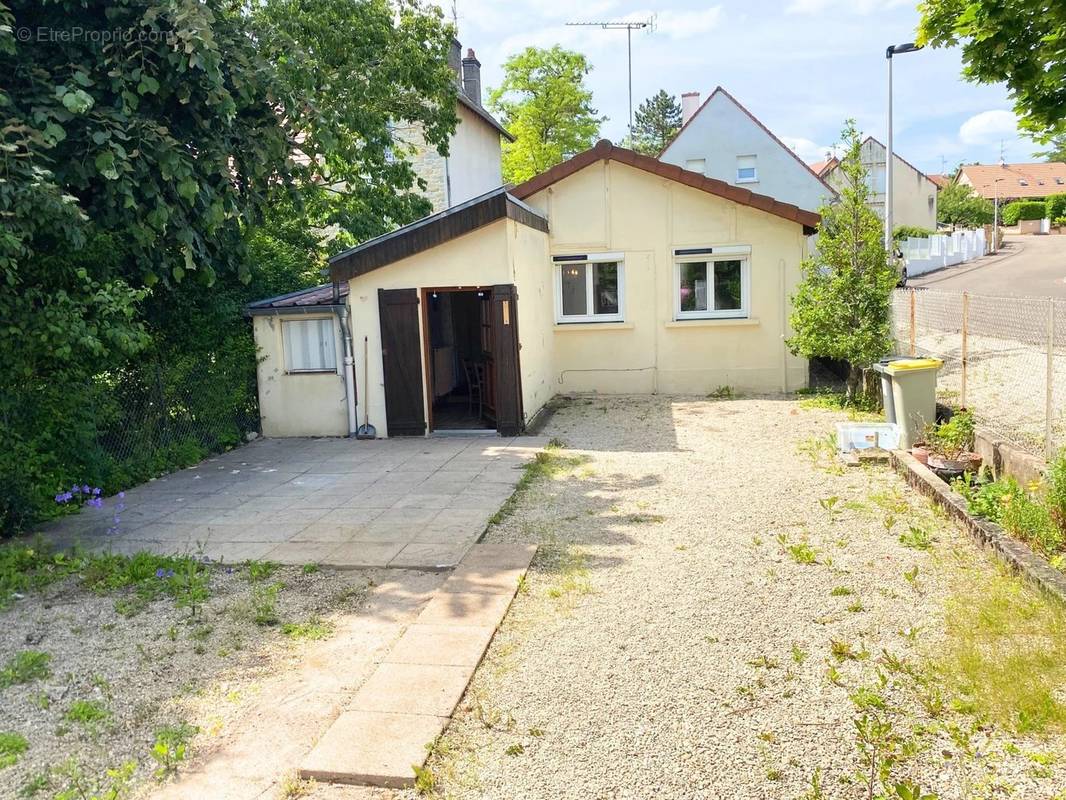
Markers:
911,190
611,207
297,404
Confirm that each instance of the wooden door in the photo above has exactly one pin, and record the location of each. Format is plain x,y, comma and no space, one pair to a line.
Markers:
507,377
401,358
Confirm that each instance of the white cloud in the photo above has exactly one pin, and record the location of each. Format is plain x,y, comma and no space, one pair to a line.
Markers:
807,150
811,7
683,24
988,127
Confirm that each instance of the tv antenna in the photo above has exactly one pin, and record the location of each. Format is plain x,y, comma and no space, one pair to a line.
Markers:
628,27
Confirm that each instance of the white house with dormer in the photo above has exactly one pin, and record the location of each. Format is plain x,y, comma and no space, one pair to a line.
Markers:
723,140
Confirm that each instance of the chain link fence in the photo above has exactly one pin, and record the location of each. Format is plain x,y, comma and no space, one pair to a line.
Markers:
1004,359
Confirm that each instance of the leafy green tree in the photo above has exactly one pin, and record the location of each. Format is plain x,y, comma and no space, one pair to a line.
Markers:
842,306
1056,149
1019,42
544,103
958,204
656,122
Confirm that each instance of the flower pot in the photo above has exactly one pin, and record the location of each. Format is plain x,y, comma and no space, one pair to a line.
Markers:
920,451
950,468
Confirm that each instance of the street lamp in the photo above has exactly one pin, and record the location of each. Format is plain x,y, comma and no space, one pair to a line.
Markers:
890,51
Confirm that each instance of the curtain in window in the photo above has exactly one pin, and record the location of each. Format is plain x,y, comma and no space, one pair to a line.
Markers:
309,345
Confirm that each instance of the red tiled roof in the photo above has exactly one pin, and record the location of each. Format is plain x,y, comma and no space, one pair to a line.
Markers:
757,121
1041,180
819,168
940,180
298,300
604,150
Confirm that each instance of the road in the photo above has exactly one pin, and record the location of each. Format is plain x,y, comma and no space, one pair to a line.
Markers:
1027,266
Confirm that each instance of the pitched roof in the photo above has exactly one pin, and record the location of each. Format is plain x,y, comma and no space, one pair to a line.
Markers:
604,150
895,154
433,230
301,301
819,168
940,180
1041,180
757,121
485,115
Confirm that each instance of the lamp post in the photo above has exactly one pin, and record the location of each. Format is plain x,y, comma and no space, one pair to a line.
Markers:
890,51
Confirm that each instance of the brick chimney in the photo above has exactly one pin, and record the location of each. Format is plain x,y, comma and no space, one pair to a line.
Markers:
690,102
455,55
472,76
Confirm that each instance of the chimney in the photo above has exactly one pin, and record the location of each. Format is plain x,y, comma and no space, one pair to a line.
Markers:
455,60
472,76
690,101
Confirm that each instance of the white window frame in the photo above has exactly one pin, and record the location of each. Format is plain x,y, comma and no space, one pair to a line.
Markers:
588,260
286,343
741,253
755,169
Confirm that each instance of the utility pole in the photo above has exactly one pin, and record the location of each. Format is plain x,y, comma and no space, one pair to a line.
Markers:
890,51
628,27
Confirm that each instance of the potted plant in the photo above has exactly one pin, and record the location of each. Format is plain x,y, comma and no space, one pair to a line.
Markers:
950,446
920,451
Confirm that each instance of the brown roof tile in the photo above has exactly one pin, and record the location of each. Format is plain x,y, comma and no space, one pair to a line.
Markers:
1041,179
604,150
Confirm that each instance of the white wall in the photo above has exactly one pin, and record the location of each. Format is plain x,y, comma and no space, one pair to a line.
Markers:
474,162
721,131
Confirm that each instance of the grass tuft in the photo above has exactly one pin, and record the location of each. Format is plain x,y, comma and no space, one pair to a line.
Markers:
25,667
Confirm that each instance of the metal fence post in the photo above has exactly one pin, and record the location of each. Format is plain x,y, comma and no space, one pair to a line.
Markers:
1049,407
913,332
965,343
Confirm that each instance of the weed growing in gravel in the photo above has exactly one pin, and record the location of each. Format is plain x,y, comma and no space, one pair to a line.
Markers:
644,519
722,393
764,661
803,553
840,591
425,780
309,569
25,667
12,745
170,748
856,607
548,464
74,784
830,506
799,655
314,629
916,538
265,604
291,787
515,749
822,452
814,791
87,713
843,650
259,571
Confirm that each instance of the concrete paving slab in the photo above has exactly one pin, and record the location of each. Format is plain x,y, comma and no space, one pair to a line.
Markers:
372,749
448,645
432,689
441,555
466,608
365,554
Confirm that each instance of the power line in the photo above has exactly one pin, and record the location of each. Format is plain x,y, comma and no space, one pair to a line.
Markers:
628,27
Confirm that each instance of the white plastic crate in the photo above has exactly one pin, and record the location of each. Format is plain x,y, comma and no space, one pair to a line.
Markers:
864,435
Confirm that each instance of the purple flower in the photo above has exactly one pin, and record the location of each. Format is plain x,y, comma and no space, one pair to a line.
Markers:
159,573
85,489
121,495
96,492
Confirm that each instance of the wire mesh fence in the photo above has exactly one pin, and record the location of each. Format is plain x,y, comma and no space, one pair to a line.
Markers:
1002,359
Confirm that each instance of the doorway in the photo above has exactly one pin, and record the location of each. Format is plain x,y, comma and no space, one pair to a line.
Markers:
460,359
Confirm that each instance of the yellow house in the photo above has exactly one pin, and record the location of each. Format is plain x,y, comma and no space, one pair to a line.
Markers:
612,272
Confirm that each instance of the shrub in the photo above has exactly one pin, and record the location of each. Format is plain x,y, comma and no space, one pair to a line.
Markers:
988,499
1023,209
1030,520
1055,206
952,437
1056,489
911,231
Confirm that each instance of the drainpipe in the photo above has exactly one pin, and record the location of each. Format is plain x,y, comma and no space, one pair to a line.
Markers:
349,366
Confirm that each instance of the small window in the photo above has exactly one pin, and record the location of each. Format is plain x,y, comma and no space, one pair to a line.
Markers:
710,287
309,345
746,172
1059,181
590,289
1023,181
696,165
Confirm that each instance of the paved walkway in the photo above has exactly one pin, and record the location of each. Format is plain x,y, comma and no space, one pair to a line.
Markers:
410,503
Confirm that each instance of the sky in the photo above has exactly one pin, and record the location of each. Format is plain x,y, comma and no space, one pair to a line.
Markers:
801,66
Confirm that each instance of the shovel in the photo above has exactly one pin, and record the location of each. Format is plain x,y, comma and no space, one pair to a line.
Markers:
366,430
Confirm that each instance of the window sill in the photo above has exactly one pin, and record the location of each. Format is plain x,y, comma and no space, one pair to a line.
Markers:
311,371
563,327
747,180
714,322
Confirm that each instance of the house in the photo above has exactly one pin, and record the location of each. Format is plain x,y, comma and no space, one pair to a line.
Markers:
612,272
296,368
941,181
1015,181
723,140
913,193
473,164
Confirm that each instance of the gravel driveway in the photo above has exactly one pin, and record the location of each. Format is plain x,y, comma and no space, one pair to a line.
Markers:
670,642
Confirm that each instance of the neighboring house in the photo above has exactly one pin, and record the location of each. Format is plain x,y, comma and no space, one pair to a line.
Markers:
913,193
1015,181
612,272
723,140
473,164
941,181
299,335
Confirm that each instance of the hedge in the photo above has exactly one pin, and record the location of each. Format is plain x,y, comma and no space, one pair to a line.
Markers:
1056,206
1023,209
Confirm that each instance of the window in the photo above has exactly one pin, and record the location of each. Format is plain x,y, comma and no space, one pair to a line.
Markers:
1023,182
712,283
589,288
696,165
309,345
746,170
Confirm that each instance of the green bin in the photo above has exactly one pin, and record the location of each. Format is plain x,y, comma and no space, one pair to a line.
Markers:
913,396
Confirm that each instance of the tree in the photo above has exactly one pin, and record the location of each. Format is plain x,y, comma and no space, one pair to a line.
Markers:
842,306
1016,41
1056,149
544,103
957,204
658,119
